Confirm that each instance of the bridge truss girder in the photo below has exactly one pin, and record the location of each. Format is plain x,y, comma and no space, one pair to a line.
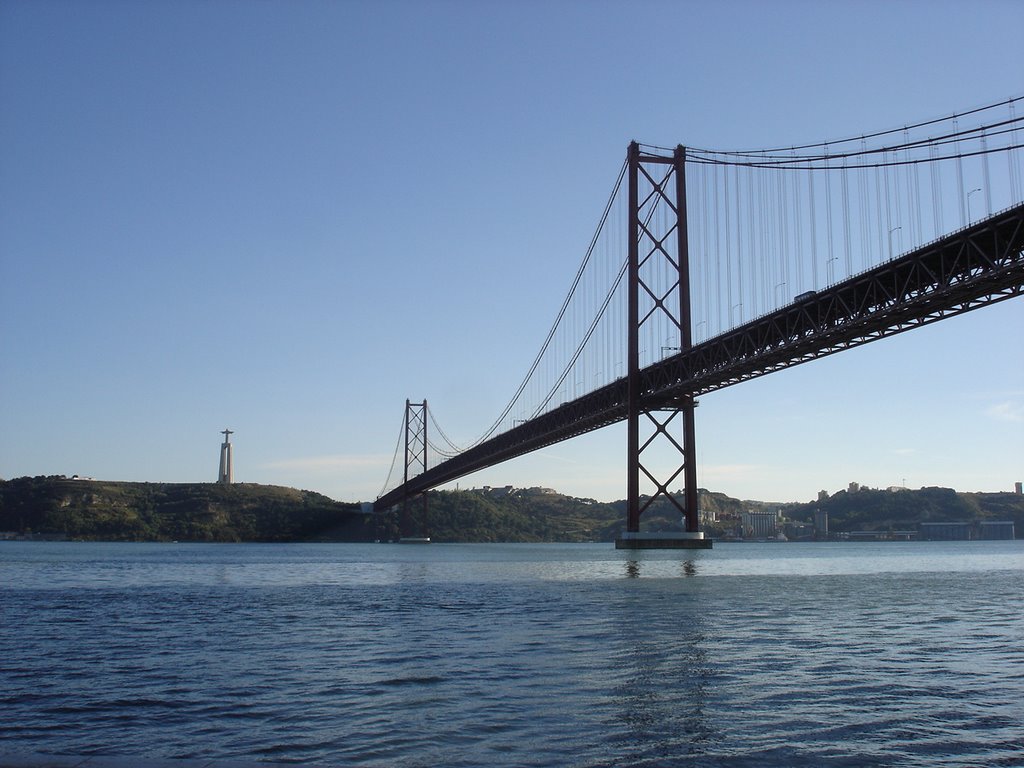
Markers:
968,269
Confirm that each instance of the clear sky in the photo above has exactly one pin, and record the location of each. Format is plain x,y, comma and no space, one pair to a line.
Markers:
286,218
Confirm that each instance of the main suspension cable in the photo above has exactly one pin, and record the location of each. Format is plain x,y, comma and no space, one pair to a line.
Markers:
561,313
394,458
822,144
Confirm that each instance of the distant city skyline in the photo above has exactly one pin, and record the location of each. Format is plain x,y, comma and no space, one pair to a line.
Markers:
292,217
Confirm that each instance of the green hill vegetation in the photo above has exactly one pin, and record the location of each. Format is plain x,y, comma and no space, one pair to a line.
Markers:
115,511
523,515
869,509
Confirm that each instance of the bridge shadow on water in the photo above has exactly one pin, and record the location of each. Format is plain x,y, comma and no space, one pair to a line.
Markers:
634,568
658,698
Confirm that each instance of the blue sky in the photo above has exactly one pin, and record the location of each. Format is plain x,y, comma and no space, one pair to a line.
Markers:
286,218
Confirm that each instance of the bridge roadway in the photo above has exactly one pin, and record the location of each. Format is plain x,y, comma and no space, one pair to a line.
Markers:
972,267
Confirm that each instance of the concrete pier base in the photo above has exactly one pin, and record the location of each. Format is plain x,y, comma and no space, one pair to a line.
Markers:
666,540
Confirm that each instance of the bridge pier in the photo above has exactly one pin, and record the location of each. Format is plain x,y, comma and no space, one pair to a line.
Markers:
663,540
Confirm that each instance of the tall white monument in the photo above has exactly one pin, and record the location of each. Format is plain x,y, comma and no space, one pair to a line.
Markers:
226,475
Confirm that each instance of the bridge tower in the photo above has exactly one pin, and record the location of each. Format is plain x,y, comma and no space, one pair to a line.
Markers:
413,526
658,294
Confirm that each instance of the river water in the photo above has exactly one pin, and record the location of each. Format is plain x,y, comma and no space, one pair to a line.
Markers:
851,654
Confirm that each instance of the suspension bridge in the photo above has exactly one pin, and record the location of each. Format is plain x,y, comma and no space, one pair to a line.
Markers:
708,268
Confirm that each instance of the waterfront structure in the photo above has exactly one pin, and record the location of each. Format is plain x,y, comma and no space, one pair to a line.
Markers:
957,531
821,523
226,474
1001,530
798,531
708,516
760,525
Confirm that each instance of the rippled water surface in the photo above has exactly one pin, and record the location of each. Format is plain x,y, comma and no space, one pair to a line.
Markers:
525,655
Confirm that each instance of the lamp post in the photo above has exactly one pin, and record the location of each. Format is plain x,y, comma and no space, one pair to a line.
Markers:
894,229
778,302
970,220
828,269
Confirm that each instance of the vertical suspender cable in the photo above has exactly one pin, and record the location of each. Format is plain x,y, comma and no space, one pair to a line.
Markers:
919,237
814,229
828,214
1011,157
846,220
739,248
888,210
796,247
985,174
897,171
783,217
863,205
960,176
718,261
726,203
879,215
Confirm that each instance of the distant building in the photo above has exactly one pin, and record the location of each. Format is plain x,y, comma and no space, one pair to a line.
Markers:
945,531
538,491
497,493
1001,530
853,488
760,525
1018,488
821,523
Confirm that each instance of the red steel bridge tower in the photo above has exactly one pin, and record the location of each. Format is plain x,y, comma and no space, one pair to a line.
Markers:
658,247
412,526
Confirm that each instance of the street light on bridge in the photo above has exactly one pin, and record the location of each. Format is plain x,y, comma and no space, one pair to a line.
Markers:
970,220
894,229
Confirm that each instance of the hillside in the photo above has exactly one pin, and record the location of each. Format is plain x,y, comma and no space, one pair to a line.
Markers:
868,509
98,510
115,511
